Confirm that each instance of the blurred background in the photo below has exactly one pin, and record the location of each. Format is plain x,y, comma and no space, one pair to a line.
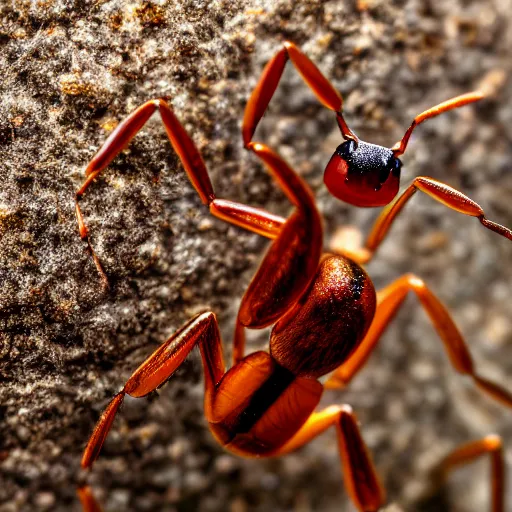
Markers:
71,70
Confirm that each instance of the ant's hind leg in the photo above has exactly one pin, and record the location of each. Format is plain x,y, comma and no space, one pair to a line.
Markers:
201,330
360,475
469,452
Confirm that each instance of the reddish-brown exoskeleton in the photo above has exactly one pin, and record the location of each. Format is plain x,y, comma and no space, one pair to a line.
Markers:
326,314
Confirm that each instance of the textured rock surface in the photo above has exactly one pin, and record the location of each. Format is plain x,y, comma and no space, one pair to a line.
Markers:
70,71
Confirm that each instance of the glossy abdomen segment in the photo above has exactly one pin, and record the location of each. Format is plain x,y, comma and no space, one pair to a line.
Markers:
259,405
328,322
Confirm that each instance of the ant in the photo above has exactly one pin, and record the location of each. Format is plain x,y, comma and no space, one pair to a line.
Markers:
326,315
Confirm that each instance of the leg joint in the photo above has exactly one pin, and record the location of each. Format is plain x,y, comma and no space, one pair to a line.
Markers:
415,283
493,442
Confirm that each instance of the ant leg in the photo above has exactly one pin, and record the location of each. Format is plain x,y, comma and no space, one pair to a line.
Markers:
121,137
361,480
254,219
201,330
87,500
471,451
292,260
459,101
439,191
266,87
389,301
180,141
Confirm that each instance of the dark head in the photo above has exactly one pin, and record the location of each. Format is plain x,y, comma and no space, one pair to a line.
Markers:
363,174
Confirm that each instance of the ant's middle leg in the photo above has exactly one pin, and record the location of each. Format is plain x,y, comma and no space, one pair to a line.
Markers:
389,301
121,137
253,219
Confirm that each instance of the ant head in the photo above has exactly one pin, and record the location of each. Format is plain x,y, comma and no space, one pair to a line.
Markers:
363,174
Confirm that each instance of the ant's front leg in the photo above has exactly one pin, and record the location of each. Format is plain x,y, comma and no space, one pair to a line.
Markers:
290,262
266,87
439,191
202,330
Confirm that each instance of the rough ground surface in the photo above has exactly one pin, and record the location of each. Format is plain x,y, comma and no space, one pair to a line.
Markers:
69,72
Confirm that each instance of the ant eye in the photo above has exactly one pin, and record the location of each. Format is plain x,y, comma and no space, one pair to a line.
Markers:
383,175
393,167
396,167
346,149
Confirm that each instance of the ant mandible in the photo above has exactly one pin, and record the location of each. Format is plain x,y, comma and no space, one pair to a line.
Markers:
326,314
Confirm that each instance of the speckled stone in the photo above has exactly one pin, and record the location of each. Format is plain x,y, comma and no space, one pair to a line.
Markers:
71,70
